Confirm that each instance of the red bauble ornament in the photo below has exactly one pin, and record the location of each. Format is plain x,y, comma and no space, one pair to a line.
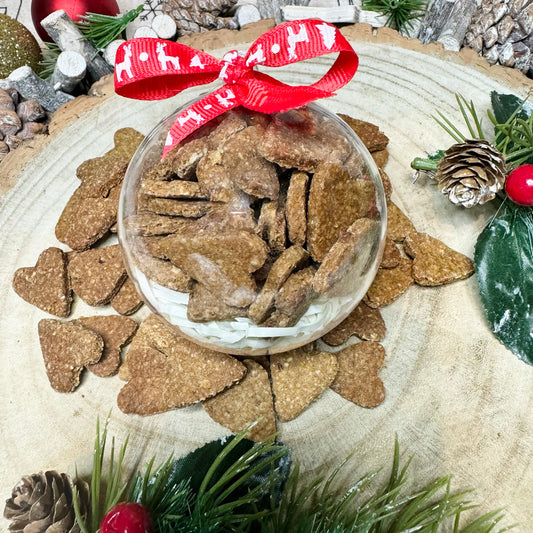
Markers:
519,185
127,518
42,8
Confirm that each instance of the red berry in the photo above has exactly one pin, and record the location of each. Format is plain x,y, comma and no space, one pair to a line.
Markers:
127,518
519,185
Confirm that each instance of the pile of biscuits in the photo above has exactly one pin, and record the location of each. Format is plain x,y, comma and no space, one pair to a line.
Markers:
162,369
256,216
95,275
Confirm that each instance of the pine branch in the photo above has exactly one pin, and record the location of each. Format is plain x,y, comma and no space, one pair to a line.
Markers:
100,29
227,495
318,508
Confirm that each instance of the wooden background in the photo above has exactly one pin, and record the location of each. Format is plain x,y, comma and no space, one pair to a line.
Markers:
457,399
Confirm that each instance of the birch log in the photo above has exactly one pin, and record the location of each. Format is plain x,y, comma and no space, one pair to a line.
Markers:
110,52
67,36
246,14
344,14
164,26
70,69
31,87
446,21
272,8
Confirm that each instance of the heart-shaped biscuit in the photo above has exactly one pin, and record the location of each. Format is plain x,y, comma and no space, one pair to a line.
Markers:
332,185
46,285
357,379
299,377
434,263
86,219
116,331
244,403
398,224
96,275
389,284
364,322
222,262
67,347
165,371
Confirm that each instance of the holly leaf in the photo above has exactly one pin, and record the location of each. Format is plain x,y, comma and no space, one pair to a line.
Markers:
505,105
504,264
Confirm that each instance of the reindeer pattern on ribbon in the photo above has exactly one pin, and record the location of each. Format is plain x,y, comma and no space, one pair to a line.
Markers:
154,69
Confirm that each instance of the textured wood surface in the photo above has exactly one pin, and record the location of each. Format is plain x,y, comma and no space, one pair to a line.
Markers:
457,399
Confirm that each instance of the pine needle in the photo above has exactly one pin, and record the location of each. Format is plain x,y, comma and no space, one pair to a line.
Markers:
470,117
49,60
100,29
106,489
318,508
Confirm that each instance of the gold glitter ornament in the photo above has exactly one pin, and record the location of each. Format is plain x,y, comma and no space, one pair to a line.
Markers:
18,47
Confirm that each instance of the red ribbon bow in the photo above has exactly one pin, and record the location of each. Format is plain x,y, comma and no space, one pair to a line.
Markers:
152,69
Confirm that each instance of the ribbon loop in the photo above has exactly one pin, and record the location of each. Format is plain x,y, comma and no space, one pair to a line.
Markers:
150,69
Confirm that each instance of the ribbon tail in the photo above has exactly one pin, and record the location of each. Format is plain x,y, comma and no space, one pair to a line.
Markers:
200,113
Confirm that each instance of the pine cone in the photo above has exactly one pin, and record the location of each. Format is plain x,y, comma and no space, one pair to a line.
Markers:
42,503
471,173
502,31
200,15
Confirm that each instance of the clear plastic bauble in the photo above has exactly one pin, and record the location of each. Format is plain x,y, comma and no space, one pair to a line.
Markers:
258,233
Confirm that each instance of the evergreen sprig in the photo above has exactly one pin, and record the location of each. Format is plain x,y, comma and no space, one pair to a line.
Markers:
223,499
514,138
320,508
100,29
400,13
473,124
235,485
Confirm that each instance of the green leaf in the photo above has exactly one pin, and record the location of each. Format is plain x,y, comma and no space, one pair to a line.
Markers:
505,105
504,263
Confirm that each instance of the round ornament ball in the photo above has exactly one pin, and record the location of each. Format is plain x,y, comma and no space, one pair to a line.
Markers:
18,47
519,185
127,518
40,9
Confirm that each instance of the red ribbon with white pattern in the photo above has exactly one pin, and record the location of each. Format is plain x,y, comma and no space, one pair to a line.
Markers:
153,69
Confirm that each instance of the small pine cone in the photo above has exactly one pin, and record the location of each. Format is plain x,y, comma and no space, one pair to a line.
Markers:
471,173
42,503
200,15
215,7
